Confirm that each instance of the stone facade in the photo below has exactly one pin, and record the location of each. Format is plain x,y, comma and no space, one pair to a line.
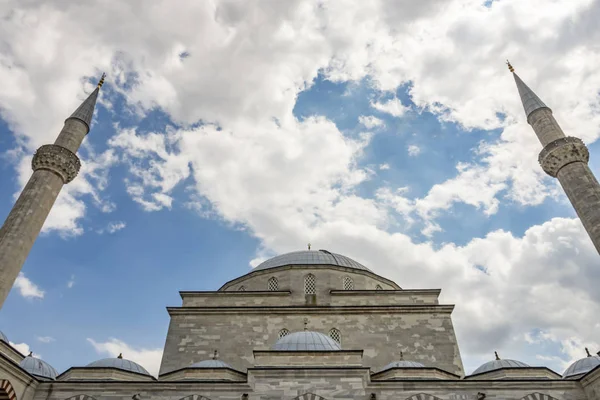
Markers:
375,327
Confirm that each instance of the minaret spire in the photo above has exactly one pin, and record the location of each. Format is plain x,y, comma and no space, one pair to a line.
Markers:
54,165
565,158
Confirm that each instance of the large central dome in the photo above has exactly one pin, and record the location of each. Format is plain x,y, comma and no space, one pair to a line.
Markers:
320,257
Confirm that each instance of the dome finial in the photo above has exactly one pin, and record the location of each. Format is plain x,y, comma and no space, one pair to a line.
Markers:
30,354
510,67
496,354
588,352
215,355
120,356
309,246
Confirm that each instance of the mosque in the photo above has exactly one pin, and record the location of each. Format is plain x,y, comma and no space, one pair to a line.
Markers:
305,325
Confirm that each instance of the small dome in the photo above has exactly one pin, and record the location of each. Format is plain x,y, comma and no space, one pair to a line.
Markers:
498,363
119,363
403,364
3,337
321,257
582,366
210,364
306,340
38,367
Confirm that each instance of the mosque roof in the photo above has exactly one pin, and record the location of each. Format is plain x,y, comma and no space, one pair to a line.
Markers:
210,364
403,364
307,257
582,366
38,367
119,363
306,340
499,363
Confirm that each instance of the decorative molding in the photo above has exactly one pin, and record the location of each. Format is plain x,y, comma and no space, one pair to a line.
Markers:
309,396
81,397
423,396
562,152
7,392
57,159
538,396
194,397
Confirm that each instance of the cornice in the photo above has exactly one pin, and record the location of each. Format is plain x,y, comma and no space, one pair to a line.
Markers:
308,266
336,292
245,293
383,309
16,371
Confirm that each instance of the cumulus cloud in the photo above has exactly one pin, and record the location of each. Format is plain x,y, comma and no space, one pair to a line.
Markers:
24,349
113,227
289,180
370,121
27,288
147,358
71,282
383,167
413,150
393,107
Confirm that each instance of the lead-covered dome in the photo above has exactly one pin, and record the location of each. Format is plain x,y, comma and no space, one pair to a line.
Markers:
499,363
210,364
403,364
582,366
119,363
320,257
37,367
306,340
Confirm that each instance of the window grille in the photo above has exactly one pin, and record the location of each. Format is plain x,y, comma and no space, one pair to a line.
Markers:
336,335
348,283
273,285
378,287
283,332
310,286
242,288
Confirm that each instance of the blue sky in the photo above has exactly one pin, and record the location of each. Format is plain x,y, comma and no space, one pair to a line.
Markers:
399,142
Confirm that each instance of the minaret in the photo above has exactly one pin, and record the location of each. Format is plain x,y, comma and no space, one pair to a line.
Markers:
53,166
565,158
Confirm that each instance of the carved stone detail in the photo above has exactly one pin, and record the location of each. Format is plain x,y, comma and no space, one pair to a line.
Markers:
561,152
56,159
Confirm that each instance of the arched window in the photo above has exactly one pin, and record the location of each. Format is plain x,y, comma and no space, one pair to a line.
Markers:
283,332
336,335
273,285
310,284
242,288
348,283
378,287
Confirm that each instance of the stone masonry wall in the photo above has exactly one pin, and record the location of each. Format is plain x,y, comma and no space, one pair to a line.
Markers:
427,336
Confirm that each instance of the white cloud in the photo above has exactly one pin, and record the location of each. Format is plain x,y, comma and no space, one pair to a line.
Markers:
147,358
24,349
370,121
383,167
27,288
113,227
71,282
393,107
413,150
45,339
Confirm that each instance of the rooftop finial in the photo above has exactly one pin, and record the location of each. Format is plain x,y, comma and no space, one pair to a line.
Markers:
510,67
215,355
120,356
496,354
305,324
101,81
30,354
309,246
588,352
